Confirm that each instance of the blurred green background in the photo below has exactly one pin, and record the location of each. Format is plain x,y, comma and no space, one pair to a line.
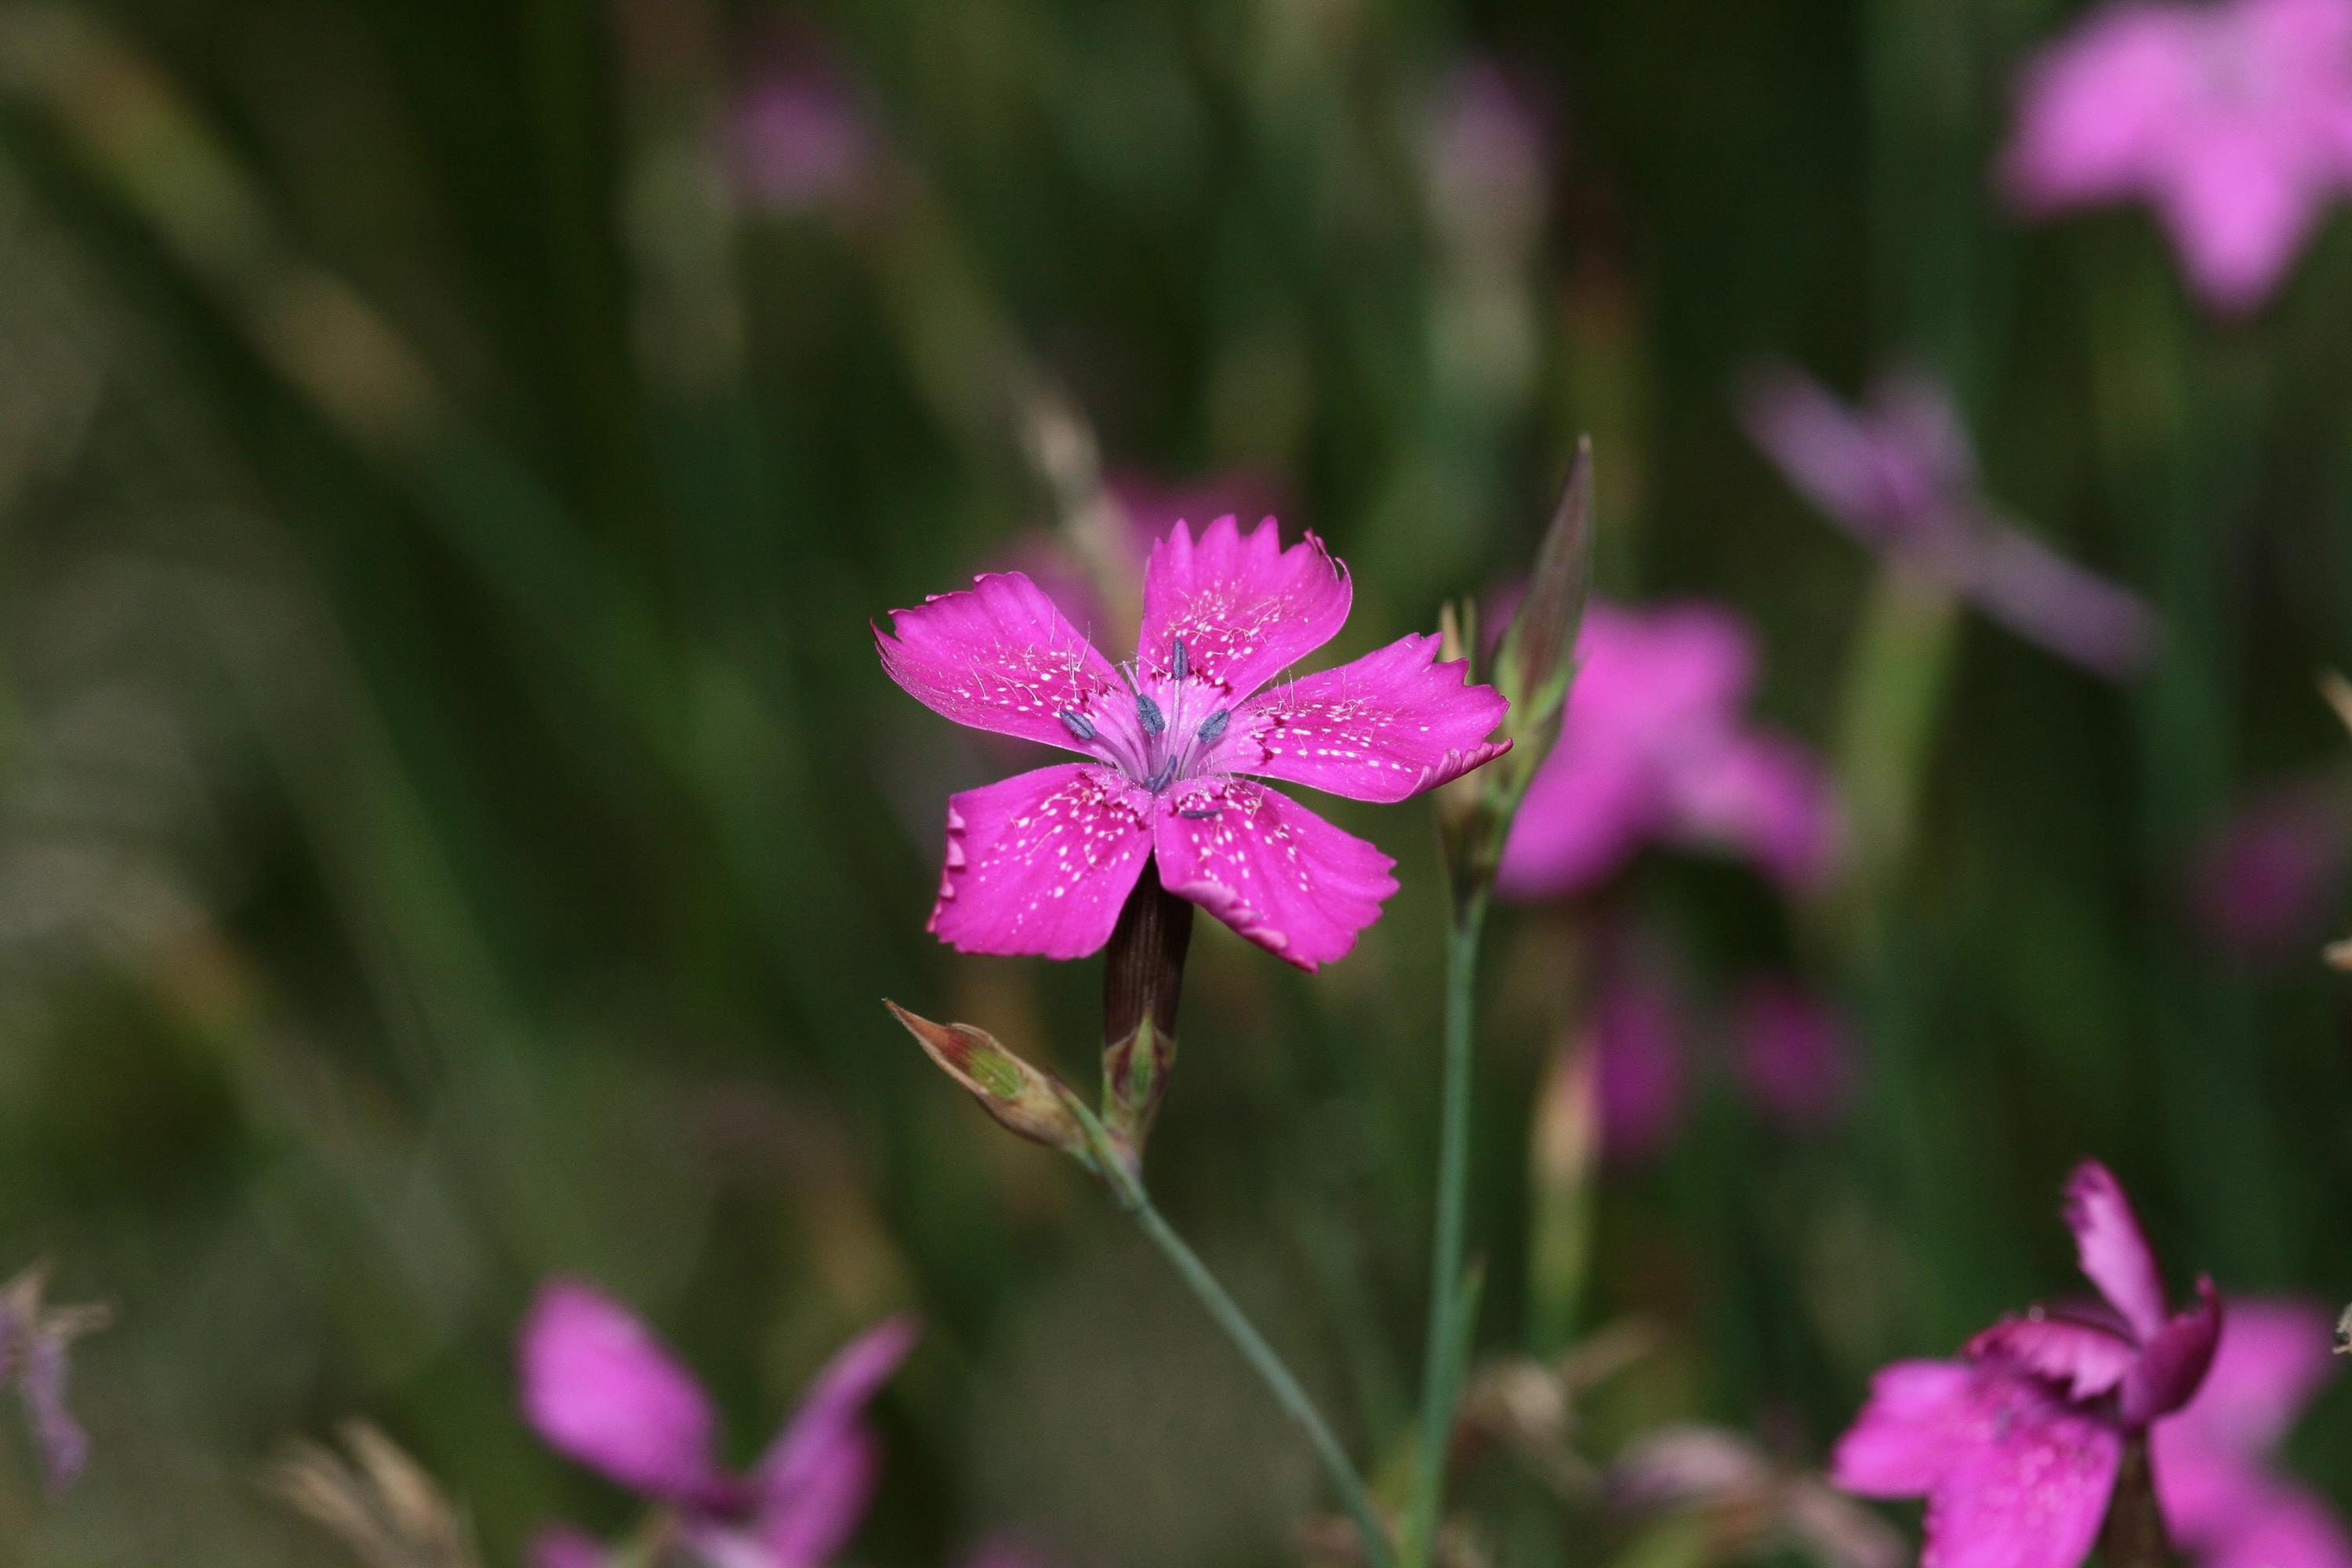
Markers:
453,827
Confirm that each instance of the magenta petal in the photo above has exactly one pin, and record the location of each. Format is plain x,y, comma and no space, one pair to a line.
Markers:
2173,1362
599,1388
1386,727
1245,607
2097,111
1765,798
2087,1359
2111,1248
2273,1358
997,655
64,1446
1820,447
2029,1490
1587,810
807,1525
1041,862
1637,1037
835,1401
1270,868
2045,598
564,1546
2238,207
2286,1527
1907,1433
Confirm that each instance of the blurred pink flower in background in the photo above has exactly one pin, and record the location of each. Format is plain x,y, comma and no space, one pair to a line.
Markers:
1634,1027
1656,748
2223,1504
2234,120
1486,150
1791,1052
1898,473
798,139
35,1340
2017,1445
1147,510
1791,1057
1042,863
600,1389
2263,887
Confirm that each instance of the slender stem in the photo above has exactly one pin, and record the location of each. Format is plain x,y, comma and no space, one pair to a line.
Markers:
1276,1377
2133,1535
1441,1365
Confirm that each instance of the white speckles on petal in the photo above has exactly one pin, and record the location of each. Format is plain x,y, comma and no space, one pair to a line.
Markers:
998,657
1245,607
1275,872
1041,863
1386,727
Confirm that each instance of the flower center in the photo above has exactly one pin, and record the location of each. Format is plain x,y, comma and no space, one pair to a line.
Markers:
1166,735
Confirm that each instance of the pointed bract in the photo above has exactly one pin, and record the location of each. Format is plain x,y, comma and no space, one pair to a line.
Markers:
1024,1100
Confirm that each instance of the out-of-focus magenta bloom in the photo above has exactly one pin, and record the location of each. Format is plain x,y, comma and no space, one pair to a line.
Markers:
2265,886
2016,1446
1042,862
800,140
1147,512
1656,747
2223,1504
1898,473
1635,1030
2234,120
36,1356
600,1389
1790,1051
1487,150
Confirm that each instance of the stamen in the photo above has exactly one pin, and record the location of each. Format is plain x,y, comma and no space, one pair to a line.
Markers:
1148,714
1212,728
1202,814
1162,778
1079,726
1181,665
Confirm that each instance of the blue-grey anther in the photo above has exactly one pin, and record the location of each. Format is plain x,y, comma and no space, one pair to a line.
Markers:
1148,714
1077,723
1181,665
1213,726
1163,777
1200,813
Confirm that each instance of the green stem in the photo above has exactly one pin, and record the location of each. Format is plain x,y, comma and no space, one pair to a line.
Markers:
1448,1336
1276,1377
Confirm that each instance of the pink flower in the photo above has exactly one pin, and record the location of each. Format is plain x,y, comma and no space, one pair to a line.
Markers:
2221,1499
1042,862
1654,748
2016,1446
35,1345
2235,120
1792,1053
800,140
1635,1030
602,1390
1899,474
2263,885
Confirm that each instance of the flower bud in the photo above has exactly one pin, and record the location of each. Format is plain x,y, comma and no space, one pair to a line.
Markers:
1026,1100
1538,657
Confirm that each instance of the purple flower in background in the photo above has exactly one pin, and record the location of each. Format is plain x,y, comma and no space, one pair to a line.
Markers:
1656,747
1791,1052
1899,474
599,1388
799,140
2016,1446
35,1341
1146,512
2222,1502
1634,1027
2264,885
1487,151
1042,862
2234,120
